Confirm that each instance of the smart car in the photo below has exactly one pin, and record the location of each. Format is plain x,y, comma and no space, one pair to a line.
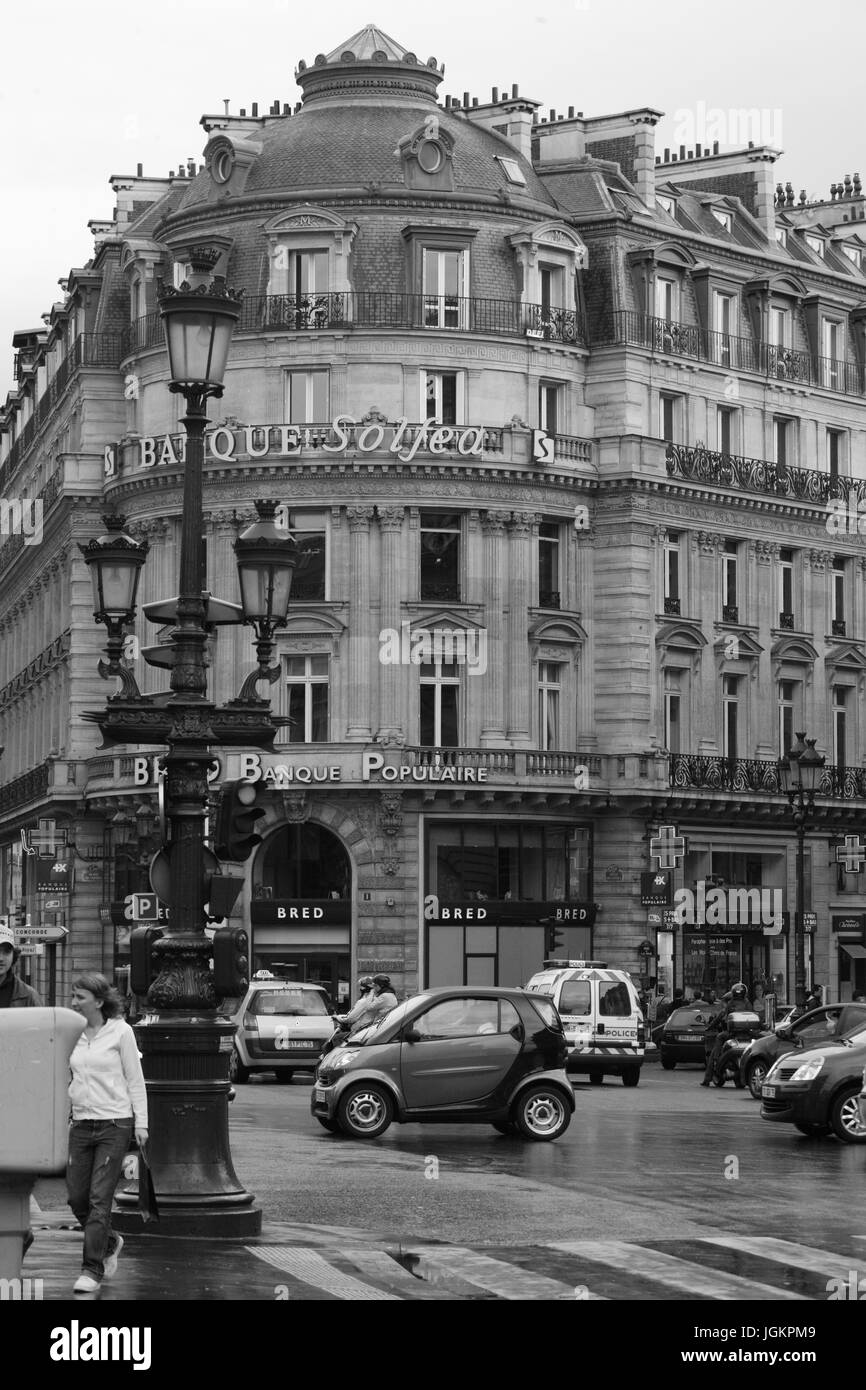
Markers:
817,1090
455,1055
282,1026
810,1030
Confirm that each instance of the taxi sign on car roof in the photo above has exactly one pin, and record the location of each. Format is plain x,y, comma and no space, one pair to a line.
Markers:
577,964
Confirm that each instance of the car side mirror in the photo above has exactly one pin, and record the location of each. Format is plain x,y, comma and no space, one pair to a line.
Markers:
411,1035
784,1030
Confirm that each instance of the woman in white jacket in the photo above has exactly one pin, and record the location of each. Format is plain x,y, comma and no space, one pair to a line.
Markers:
109,1102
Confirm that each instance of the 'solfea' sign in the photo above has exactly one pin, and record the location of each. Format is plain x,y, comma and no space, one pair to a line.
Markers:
231,444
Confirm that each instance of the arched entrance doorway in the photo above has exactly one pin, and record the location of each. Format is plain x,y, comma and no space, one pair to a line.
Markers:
301,910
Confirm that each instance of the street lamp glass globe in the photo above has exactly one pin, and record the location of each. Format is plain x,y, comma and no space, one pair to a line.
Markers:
266,558
198,333
115,562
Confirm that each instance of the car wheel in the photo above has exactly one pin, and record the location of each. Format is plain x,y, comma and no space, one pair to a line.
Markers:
365,1111
668,1063
330,1125
541,1113
238,1073
505,1127
285,1076
596,1078
755,1074
845,1117
630,1076
812,1131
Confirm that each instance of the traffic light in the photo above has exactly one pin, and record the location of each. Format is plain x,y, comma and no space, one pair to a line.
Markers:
235,837
555,938
143,969
231,961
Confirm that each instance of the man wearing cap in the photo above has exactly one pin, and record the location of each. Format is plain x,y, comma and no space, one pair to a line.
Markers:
14,994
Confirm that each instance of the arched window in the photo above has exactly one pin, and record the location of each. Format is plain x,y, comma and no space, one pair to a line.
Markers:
303,861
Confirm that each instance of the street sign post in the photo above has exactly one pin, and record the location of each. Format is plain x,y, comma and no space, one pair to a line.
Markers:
50,934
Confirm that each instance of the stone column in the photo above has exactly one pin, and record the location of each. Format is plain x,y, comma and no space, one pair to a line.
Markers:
361,638
392,676
495,554
523,527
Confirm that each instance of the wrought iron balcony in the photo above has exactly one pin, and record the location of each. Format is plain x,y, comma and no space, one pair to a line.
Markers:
730,613
672,607
693,770
786,621
701,465
838,627
737,354
352,309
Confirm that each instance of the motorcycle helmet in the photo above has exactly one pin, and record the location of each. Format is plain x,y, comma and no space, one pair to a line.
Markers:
739,990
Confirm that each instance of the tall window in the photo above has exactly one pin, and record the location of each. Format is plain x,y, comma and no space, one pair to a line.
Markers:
549,686
310,577
831,339
548,407
308,394
730,715
440,557
444,288
667,299
781,440
786,588
673,712
442,397
548,565
551,282
440,690
725,429
730,600
723,323
780,327
300,273
672,572
840,704
786,717
838,618
307,690
668,408
834,452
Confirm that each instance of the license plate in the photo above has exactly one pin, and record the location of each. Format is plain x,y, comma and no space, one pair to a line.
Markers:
769,1092
300,1042
318,1093
686,1037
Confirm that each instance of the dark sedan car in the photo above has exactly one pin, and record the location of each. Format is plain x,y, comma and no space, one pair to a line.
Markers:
810,1030
816,1090
451,1056
682,1037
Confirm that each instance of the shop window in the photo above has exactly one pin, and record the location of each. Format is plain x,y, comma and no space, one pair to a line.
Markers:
303,861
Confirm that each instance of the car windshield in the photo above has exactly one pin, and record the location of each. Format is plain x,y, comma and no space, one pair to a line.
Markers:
684,1018
855,1032
307,1002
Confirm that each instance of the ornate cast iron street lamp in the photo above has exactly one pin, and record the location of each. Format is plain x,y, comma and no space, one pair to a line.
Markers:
799,771
115,562
185,1043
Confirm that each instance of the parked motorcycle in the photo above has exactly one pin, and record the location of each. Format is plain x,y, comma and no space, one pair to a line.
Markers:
743,1028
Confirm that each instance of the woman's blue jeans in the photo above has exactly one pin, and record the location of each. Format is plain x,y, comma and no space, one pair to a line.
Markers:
96,1152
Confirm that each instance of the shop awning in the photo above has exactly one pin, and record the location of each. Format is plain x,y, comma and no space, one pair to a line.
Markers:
858,952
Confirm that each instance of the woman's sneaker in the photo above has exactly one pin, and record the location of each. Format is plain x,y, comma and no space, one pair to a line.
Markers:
85,1283
110,1268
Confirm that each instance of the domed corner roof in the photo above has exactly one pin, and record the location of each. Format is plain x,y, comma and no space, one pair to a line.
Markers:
369,40
345,146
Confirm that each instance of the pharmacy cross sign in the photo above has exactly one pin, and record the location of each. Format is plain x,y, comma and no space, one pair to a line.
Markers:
667,847
852,854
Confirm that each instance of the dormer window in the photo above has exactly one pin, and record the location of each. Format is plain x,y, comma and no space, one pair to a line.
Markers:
782,236
816,244
180,271
667,205
724,219
854,255
512,170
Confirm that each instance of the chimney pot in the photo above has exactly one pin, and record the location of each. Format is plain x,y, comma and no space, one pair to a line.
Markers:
287,108
255,108
715,147
243,110
552,114
474,101
139,170
682,151
571,113
515,90
667,156
698,151
465,98
494,94
580,115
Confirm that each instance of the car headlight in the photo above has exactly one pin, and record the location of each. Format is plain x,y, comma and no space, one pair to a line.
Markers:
341,1058
809,1070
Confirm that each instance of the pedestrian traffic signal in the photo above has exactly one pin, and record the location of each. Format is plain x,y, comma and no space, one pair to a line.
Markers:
235,837
143,967
231,961
555,939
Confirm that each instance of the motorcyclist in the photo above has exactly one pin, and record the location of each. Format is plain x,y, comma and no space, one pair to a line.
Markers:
737,1002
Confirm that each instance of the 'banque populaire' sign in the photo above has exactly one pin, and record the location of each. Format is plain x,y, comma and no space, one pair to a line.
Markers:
232,444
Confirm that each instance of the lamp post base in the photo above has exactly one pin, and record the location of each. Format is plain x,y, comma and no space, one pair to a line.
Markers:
185,1060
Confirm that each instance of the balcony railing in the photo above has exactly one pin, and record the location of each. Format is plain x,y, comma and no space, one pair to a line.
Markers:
730,613
736,354
693,770
701,465
350,309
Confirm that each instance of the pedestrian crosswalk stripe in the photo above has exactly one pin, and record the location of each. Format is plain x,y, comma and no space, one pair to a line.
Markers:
505,1280
310,1268
786,1252
694,1279
387,1269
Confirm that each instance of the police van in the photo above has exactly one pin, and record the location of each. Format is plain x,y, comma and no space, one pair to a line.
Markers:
601,1016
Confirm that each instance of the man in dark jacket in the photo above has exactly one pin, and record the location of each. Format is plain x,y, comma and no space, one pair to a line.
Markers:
14,994
717,1028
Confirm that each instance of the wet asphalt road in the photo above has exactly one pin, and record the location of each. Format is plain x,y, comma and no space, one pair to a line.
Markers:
666,1160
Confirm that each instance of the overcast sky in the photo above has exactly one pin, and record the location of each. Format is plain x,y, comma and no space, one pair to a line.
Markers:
90,89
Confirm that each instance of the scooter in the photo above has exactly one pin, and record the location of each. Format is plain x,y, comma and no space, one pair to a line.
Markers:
743,1029
339,1035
